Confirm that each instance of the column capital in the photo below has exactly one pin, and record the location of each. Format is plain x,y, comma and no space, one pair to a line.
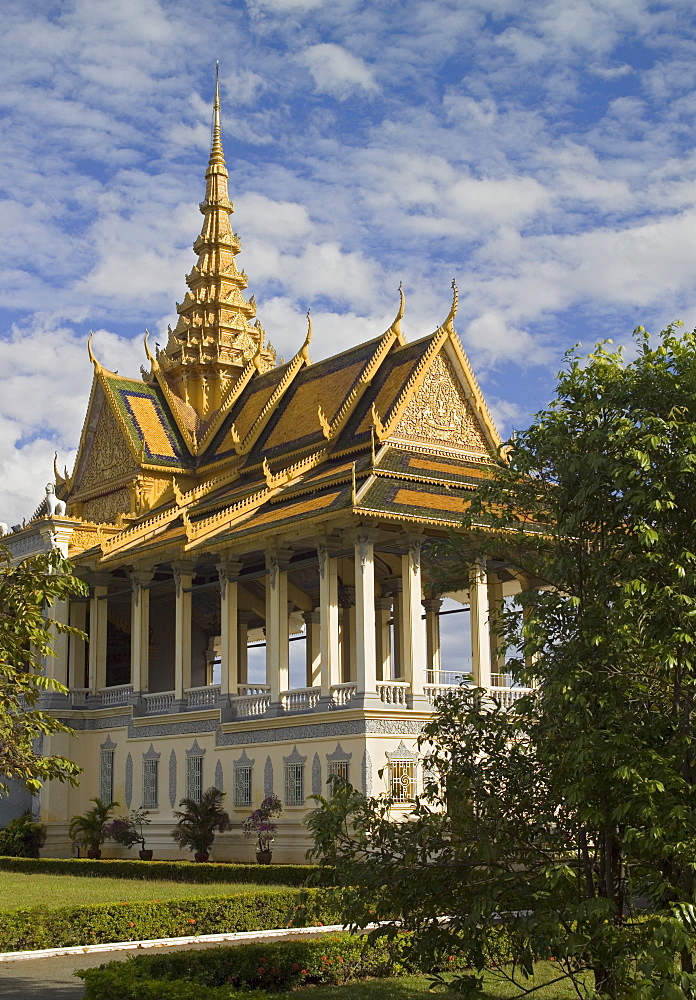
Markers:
98,579
383,603
245,617
432,604
392,586
229,570
346,596
140,577
311,617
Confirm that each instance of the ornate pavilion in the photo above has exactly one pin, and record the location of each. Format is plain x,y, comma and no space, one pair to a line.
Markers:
224,506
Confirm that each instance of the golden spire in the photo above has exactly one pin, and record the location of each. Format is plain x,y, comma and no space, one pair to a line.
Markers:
214,336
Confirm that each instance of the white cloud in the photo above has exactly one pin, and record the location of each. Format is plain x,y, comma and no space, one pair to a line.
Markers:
337,71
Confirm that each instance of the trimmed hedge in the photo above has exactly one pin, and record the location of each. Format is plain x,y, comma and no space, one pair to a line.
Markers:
220,972
171,871
101,923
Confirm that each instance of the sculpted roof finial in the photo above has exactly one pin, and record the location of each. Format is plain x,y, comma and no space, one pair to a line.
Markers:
304,350
216,152
396,325
449,322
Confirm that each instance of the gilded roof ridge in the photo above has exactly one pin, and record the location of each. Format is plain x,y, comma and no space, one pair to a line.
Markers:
416,377
300,361
110,545
173,402
477,395
195,530
231,396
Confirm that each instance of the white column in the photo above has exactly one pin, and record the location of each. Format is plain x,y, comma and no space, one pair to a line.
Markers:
412,625
346,616
140,629
480,636
98,625
312,648
277,652
183,580
365,625
432,639
328,617
243,619
229,643
76,655
383,611
397,628
495,610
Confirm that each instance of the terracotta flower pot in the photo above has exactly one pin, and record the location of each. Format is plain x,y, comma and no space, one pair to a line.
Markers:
201,856
145,855
264,857
94,853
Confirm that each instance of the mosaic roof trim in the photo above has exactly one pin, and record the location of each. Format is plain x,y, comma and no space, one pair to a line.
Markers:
153,433
419,501
426,466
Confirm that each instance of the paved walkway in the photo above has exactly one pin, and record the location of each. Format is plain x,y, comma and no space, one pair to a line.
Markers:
51,977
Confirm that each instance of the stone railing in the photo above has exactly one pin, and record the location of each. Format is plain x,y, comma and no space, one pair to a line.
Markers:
507,696
343,694
245,690
300,699
253,704
432,691
202,697
158,702
393,692
78,696
120,694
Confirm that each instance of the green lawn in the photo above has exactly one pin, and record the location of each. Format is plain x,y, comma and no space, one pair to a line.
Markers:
406,987
18,890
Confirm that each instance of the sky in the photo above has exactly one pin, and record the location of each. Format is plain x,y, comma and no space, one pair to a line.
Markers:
540,153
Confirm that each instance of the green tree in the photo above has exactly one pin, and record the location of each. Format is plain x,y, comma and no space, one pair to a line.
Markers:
562,811
198,822
27,631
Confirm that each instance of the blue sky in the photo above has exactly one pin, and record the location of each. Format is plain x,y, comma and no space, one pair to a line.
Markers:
540,152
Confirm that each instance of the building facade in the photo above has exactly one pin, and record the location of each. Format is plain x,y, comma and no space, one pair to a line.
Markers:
230,512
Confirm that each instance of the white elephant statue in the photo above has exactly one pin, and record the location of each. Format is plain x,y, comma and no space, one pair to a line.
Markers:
4,529
54,506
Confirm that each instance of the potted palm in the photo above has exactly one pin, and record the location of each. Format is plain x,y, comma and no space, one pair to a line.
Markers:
128,831
198,822
260,824
89,831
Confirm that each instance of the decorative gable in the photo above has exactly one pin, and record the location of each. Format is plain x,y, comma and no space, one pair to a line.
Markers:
440,413
109,457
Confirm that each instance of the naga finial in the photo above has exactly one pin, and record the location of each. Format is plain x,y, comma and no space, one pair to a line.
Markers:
304,350
449,322
396,325
148,352
90,352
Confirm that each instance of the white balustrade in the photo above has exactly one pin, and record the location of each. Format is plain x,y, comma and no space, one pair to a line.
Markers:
78,696
343,694
433,691
245,690
501,680
158,702
202,697
393,692
118,695
300,698
255,704
508,696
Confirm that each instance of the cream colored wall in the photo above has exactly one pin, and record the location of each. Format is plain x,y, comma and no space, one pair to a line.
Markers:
60,803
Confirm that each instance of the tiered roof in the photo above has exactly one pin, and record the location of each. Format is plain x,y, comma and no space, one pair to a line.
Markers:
389,430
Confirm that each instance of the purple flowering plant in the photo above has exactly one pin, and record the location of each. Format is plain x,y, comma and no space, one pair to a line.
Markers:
128,830
260,823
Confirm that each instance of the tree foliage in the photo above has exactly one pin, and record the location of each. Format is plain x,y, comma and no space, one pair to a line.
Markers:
562,813
27,634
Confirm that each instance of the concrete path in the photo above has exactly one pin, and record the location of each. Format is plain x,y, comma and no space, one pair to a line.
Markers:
50,977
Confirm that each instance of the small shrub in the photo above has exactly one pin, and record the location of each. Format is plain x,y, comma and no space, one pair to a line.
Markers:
101,923
22,837
281,965
173,871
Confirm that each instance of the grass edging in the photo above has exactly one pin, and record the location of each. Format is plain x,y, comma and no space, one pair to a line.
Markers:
174,871
102,923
